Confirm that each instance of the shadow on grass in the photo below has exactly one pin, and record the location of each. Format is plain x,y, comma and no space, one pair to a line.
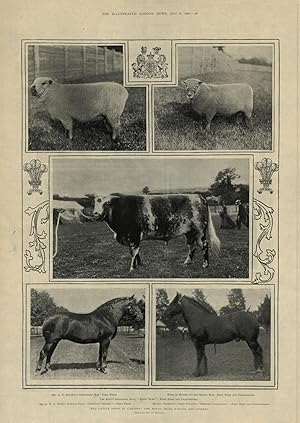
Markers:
66,366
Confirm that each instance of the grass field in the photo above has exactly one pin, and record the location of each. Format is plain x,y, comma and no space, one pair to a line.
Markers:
89,250
176,360
46,134
74,361
178,128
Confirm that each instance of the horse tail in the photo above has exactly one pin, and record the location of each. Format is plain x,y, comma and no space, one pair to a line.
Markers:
214,240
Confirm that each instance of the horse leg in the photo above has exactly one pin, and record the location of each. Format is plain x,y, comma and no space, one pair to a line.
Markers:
43,353
257,354
49,355
99,362
200,353
104,349
190,239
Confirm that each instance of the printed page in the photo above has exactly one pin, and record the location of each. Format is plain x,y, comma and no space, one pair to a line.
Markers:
149,211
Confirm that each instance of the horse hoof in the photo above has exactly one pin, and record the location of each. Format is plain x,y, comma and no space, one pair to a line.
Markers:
102,370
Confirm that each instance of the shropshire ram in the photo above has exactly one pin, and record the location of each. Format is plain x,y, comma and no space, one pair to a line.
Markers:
82,102
224,100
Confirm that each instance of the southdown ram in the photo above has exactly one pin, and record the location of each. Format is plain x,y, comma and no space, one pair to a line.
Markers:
224,100
82,102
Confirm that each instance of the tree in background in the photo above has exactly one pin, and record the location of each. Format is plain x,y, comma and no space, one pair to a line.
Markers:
224,188
146,190
264,313
236,302
198,294
42,306
162,302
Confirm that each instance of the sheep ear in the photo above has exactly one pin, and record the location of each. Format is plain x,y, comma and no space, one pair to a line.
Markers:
50,81
199,82
183,83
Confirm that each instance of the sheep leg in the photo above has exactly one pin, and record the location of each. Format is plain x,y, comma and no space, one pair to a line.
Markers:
247,119
115,126
68,124
209,118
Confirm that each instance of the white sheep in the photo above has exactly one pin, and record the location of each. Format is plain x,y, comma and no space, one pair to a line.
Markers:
225,99
82,102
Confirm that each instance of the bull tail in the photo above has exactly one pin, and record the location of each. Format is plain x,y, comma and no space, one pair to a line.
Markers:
214,240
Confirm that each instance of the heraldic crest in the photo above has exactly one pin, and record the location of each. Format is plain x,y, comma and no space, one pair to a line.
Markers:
152,65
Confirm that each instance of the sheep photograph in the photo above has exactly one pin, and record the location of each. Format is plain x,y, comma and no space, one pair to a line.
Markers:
77,100
223,100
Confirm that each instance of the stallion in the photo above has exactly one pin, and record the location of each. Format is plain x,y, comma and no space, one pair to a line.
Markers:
99,326
205,327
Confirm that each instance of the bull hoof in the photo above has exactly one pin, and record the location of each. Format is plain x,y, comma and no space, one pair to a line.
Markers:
205,265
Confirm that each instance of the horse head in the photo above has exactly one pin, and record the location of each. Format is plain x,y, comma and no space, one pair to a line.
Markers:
134,310
174,307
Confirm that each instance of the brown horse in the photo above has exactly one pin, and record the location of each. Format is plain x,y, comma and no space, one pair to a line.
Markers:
205,327
99,326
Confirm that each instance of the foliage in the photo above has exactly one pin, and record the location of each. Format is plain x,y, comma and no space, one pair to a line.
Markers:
264,313
146,190
162,302
42,306
260,61
236,302
223,185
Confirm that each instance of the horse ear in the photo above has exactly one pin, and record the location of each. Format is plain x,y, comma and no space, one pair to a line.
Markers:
132,297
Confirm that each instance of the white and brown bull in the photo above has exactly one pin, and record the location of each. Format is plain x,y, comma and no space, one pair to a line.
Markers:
135,218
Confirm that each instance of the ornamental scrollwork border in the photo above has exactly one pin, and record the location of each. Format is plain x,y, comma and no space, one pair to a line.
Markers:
265,256
35,254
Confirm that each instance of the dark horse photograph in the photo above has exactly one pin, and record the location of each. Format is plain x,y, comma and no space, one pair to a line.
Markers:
228,334
95,333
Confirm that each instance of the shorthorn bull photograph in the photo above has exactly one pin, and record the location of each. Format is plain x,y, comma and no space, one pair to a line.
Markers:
106,328
219,334
223,100
77,99
109,213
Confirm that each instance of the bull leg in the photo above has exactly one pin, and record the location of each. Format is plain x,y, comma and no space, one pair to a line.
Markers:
190,239
257,355
138,260
49,355
134,251
203,244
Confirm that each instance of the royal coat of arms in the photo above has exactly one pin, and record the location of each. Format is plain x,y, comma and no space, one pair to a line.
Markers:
152,65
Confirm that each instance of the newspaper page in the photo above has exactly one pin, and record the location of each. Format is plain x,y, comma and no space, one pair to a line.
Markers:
149,211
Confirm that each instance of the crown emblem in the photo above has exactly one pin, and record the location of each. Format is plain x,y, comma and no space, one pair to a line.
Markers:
35,170
266,169
151,65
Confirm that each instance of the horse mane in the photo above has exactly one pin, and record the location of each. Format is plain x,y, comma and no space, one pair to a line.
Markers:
113,301
202,304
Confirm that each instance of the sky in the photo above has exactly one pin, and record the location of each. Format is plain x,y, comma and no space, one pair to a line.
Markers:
105,175
217,297
85,300
246,51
